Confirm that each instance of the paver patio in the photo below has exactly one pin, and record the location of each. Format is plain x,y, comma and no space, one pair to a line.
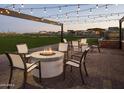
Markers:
106,70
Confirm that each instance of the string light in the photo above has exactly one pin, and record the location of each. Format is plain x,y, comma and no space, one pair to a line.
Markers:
77,13
78,7
45,10
13,7
7,11
1,12
106,7
97,6
90,10
60,10
31,11
22,5
19,11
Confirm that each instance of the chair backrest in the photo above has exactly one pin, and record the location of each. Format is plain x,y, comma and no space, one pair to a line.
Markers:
83,41
75,43
65,41
16,61
63,47
83,57
83,48
22,48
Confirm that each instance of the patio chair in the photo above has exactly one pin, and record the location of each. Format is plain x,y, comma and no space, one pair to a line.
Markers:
23,50
75,46
63,47
16,62
96,45
83,42
65,41
78,64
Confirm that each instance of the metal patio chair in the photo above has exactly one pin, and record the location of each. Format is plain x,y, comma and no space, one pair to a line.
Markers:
63,47
78,64
23,50
16,62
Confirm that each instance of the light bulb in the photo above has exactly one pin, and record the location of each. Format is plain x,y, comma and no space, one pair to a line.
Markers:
13,7
22,5
77,13
97,6
90,10
31,11
78,7
106,8
44,10
60,10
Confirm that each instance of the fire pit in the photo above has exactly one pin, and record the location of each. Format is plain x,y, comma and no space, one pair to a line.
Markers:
47,52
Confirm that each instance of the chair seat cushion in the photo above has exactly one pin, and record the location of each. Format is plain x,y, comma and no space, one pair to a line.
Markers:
72,63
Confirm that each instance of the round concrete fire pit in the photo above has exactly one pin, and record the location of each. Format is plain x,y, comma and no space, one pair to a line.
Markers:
51,65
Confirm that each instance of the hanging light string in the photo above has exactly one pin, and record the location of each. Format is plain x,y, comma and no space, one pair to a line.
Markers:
96,15
78,6
89,21
53,7
84,10
108,15
106,7
94,19
60,8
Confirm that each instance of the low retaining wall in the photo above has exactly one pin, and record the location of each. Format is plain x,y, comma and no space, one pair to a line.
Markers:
109,44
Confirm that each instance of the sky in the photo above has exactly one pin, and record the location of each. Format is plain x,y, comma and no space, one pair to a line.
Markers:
71,20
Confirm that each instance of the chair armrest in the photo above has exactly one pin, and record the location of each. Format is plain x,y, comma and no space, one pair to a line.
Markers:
75,61
37,62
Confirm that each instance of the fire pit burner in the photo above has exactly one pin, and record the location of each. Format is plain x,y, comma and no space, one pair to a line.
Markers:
47,52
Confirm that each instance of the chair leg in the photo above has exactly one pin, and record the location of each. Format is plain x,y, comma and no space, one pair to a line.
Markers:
99,49
91,49
10,78
64,72
81,76
40,72
25,79
71,68
85,69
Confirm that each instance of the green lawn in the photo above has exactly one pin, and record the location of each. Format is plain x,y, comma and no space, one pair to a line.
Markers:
8,43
